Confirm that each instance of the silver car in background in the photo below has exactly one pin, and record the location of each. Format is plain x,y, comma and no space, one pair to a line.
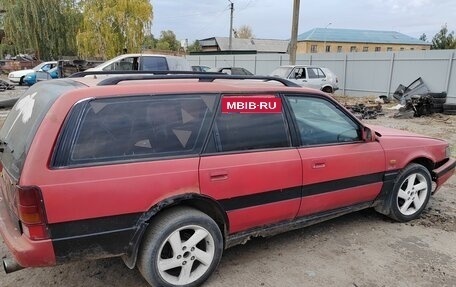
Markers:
309,76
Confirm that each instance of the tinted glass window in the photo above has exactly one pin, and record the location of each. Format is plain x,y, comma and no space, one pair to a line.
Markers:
244,131
141,127
321,122
24,119
127,64
154,64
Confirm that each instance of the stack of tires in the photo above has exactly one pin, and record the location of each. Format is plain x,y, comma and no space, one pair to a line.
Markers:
449,109
438,100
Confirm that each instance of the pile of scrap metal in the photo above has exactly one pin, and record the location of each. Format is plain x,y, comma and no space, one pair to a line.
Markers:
4,85
362,111
417,100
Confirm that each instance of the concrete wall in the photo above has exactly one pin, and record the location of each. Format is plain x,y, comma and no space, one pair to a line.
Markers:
360,74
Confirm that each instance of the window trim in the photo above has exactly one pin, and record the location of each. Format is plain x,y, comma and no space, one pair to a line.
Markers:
335,103
73,120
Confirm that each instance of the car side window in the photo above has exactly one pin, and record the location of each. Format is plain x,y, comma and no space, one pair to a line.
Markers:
299,73
126,64
153,63
250,131
160,126
320,121
313,73
320,73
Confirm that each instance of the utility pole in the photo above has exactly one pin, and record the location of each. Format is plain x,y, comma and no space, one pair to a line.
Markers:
294,32
231,25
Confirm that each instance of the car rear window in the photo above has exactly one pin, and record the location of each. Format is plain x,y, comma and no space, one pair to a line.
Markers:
149,63
24,119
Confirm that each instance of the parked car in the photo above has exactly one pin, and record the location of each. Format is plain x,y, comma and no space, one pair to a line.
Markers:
18,76
144,62
309,76
232,71
200,68
168,171
31,78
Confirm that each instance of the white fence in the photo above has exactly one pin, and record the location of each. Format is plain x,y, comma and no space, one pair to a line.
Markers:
376,73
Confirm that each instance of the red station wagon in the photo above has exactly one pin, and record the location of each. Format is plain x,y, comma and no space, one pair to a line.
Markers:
167,171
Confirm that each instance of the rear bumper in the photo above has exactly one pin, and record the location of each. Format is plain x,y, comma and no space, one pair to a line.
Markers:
26,252
443,173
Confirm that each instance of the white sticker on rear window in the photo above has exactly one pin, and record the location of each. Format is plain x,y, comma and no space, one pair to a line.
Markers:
25,107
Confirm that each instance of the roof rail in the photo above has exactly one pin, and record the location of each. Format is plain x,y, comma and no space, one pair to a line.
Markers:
205,77
163,75
89,73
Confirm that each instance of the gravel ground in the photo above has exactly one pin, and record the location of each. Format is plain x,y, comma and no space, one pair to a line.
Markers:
360,249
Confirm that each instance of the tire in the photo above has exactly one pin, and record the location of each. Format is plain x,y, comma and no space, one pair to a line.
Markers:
438,95
449,109
412,187
171,255
21,81
327,89
437,101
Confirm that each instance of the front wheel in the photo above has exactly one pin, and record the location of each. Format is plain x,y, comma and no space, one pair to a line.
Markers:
411,193
182,247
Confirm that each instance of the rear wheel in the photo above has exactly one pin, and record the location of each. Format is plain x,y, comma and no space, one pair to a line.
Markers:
410,194
183,247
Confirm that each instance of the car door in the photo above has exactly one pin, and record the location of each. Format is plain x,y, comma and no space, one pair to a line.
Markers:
299,76
251,168
339,168
315,78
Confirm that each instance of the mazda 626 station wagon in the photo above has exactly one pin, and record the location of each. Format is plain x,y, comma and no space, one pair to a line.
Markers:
167,171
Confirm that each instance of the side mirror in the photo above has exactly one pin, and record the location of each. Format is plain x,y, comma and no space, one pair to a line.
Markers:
368,135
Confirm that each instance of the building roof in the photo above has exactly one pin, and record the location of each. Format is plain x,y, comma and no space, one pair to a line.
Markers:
258,45
358,36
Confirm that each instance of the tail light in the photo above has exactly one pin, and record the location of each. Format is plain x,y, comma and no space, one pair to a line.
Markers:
31,212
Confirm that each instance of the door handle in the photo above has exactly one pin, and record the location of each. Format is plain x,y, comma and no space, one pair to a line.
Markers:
218,175
304,80
319,164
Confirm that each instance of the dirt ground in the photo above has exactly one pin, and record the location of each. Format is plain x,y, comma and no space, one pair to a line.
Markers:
360,249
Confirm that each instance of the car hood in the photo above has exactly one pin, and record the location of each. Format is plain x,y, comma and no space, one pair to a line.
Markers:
22,72
390,132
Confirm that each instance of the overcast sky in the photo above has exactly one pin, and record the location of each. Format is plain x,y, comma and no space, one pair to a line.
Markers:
271,19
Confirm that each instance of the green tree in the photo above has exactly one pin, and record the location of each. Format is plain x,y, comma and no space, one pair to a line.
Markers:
444,39
110,26
168,41
195,47
44,27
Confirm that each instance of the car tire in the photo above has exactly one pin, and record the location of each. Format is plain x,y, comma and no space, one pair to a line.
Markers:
438,101
182,247
441,95
412,187
21,81
449,109
327,89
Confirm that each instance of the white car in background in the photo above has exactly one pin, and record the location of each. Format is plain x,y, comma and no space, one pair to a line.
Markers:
309,76
144,62
18,76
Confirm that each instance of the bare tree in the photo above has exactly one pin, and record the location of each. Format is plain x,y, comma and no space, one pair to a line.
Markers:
244,32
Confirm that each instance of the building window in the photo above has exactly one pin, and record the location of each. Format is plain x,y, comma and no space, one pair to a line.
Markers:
402,48
328,48
389,49
339,49
378,49
353,49
313,48
365,49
